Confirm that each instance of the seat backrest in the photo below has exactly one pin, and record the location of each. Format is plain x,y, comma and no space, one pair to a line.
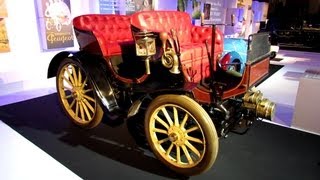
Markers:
108,29
164,21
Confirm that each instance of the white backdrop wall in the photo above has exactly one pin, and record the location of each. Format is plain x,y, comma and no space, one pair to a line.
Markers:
25,67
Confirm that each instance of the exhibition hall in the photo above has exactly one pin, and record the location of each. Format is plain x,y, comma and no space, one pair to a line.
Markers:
160,89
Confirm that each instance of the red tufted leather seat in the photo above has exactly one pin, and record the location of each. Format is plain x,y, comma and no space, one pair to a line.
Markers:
110,36
112,32
194,54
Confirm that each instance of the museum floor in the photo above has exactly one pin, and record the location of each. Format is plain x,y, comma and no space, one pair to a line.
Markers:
34,148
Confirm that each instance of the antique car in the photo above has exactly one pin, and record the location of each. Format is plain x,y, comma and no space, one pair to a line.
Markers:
159,64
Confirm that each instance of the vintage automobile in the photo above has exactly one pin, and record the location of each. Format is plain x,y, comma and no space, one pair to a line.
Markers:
160,61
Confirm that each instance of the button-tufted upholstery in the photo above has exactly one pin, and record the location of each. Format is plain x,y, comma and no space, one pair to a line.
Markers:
164,21
112,32
194,55
109,35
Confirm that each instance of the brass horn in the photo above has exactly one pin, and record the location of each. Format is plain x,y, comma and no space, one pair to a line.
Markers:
170,60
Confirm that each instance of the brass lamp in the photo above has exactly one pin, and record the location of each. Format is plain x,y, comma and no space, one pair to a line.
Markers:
145,47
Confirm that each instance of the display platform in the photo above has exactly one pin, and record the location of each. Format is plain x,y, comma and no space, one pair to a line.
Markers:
306,115
115,151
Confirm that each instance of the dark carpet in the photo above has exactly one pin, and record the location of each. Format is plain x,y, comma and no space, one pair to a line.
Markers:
273,68
266,152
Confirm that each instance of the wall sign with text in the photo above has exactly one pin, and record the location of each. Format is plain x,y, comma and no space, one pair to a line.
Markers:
124,6
55,23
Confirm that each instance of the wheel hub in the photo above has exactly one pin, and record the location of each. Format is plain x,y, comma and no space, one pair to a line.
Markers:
77,93
176,135
173,137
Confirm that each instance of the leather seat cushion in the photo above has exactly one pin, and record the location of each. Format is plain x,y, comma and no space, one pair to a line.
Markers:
194,56
112,32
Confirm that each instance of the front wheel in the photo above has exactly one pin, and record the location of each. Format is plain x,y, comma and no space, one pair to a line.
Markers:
77,95
181,134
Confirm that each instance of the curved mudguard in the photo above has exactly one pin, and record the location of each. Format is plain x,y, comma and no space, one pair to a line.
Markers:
236,56
93,65
232,58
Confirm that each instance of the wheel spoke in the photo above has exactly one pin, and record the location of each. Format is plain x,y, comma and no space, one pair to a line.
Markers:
67,80
79,76
175,116
68,96
81,111
74,73
77,109
72,103
89,98
186,152
157,130
84,83
88,105
158,119
87,90
70,76
192,129
193,149
166,114
185,118
197,140
169,149
163,140
85,108
67,88
178,154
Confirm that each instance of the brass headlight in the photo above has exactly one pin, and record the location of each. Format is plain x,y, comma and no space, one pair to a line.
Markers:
145,44
263,107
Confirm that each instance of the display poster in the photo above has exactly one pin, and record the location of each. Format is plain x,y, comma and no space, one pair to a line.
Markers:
138,5
109,6
126,7
3,9
193,7
4,41
55,23
214,12
206,11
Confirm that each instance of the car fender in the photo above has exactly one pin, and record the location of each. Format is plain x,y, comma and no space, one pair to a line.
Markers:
232,57
55,62
93,65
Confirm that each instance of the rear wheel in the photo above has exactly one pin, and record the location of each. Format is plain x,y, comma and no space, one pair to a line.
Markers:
77,96
181,134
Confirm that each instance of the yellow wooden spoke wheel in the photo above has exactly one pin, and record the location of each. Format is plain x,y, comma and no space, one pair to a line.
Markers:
181,134
77,95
